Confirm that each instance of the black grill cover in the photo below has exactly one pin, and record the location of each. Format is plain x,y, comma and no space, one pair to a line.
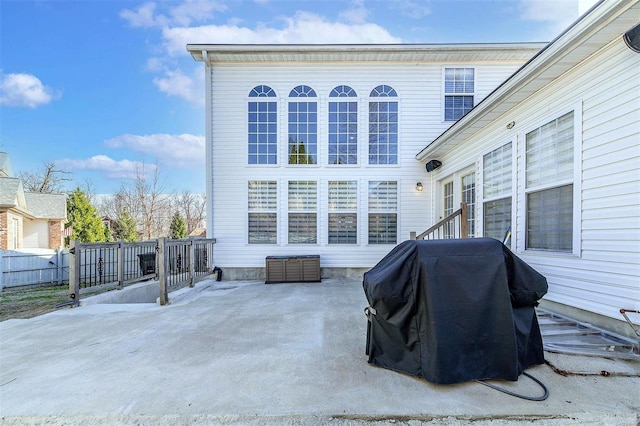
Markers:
451,311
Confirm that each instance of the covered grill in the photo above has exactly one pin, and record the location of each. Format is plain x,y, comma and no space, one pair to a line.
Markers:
451,311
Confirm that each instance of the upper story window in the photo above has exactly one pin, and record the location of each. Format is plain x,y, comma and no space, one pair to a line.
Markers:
262,126
459,89
549,170
343,126
303,126
383,126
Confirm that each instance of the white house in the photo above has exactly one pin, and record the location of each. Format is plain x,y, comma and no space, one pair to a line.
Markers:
321,150
311,149
556,155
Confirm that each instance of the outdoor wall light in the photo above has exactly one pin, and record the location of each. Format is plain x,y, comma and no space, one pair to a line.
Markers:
419,187
632,38
510,125
432,165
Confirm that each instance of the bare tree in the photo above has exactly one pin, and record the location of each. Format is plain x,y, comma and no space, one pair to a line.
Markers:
48,179
192,207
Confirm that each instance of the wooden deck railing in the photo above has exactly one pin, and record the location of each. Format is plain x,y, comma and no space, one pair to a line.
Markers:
455,225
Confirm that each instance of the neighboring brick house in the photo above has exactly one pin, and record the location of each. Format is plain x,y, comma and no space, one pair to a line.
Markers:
28,219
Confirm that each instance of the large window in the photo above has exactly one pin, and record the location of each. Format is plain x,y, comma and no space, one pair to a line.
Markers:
263,128
459,86
383,212
303,207
496,193
303,127
383,126
343,127
343,216
263,216
549,185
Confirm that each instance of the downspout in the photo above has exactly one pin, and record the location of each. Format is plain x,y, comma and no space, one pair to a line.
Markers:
208,147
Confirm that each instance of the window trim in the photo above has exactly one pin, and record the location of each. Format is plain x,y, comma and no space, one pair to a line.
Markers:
383,211
262,98
523,191
390,95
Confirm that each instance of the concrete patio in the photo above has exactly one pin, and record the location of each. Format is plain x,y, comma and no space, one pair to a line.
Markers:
242,352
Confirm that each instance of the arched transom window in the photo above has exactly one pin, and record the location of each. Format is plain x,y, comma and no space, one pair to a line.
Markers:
383,126
303,126
263,126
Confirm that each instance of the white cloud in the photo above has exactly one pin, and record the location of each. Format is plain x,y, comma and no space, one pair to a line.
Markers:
184,150
144,17
147,15
558,14
24,90
176,83
357,14
416,9
101,163
303,28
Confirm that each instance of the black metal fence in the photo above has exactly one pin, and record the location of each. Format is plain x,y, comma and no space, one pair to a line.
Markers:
96,267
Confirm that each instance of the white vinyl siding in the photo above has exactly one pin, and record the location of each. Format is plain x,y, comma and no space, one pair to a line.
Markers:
383,212
303,217
549,174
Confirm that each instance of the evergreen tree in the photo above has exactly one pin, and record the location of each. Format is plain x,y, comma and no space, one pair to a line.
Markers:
124,227
178,227
86,222
107,233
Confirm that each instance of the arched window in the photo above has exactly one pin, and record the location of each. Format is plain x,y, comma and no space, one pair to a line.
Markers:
303,126
383,126
343,127
263,126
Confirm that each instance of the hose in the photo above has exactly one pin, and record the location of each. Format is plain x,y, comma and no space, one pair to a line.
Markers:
529,398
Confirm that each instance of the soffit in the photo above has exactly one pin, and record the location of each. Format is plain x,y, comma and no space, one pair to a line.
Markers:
260,54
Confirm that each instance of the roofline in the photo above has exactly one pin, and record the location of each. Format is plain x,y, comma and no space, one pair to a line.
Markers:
538,63
202,52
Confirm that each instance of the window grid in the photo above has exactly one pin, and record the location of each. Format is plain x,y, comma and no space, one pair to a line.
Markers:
343,132
303,132
459,89
262,208
262,133
343,217
448,208
383,132
468,183
383,217
303,203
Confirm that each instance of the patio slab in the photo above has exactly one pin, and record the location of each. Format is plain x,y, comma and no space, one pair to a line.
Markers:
242,352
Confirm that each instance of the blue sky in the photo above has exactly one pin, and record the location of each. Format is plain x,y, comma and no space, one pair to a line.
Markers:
103,88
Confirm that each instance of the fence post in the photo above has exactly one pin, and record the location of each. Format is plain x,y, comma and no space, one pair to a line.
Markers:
412,235
120,285
74,272
192,262
162,270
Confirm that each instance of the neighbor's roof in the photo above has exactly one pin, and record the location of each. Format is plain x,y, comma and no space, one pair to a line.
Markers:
47,206
606,21
266,53
9,189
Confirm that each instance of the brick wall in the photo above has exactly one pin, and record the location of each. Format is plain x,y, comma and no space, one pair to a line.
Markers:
55,234
4,230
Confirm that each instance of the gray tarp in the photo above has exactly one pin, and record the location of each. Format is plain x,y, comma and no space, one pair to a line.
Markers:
451,311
